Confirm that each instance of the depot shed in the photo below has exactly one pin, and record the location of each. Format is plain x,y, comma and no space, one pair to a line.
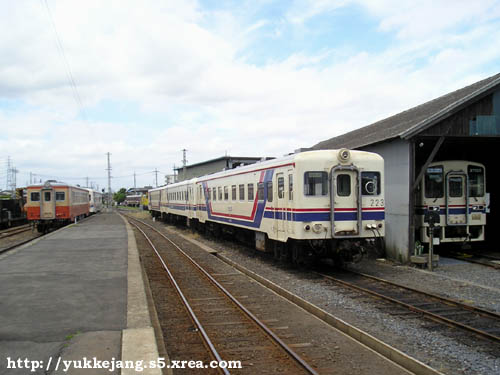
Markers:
461,125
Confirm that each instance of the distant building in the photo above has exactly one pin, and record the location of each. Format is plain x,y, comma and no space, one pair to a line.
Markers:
215,165
170,179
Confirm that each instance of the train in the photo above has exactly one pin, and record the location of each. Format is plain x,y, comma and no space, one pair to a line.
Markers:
133,200
54,204
95,201
303,206
12,210
455,190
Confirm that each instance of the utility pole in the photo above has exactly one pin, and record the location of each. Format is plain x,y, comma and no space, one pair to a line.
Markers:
134,180
184,163
109,180
15,171
87,181
175,176
156,176
9,178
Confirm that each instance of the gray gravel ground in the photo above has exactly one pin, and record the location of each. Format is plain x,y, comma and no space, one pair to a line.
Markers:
425,340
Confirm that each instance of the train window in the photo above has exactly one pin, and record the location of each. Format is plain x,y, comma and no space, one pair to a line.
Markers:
269,191
242,192
226,193
476,181
209,193
343,185
250,192
220,193
47,196
214,194
281,187
35,197
290,187
370,183
60,196
233,192
434,182
315,183
260,191
455,187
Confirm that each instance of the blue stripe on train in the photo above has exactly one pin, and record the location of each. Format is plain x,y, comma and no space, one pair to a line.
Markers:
324,216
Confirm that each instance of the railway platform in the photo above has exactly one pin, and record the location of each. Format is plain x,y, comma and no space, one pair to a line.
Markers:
75,302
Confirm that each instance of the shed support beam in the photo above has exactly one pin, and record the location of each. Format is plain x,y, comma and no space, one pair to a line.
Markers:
429,160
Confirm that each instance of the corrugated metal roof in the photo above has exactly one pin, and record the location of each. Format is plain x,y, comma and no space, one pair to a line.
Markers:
408,123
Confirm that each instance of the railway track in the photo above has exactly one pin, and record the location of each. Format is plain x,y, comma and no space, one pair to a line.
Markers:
482,259
228,329
483,323
15,230
8,241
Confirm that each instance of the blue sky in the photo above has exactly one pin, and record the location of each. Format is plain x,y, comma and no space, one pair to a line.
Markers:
246,78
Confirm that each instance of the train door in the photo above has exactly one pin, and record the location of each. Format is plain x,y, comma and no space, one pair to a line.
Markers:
345,202
48,204
457,200
280,213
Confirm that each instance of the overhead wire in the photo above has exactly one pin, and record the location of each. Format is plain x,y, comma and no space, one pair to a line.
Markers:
69,73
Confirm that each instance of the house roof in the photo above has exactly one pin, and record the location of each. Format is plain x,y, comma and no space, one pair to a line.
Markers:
411,122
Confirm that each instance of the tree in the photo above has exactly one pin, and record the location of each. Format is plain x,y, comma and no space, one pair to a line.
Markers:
120,195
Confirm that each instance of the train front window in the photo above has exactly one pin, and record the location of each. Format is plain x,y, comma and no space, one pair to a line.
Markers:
476,181
315,183
35,197
370,183
343,185
455,187
434,182
60,196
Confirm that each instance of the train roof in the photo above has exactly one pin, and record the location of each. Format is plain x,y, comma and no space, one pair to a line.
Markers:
291,158
53,183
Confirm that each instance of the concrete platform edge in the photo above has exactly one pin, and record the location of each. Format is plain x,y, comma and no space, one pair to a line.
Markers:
138,339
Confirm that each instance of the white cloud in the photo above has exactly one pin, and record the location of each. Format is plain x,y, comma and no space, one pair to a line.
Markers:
186,63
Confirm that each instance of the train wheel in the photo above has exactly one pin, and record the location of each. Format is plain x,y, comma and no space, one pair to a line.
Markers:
276,252
297,254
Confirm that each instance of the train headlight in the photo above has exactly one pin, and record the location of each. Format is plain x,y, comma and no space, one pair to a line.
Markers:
344,155
307,227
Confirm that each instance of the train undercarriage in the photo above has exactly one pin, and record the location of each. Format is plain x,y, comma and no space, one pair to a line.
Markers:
297,252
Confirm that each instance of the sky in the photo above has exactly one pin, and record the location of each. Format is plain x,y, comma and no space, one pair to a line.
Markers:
144,80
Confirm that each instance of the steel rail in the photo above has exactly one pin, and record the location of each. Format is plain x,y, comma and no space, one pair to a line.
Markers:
477,261
419,310
193,316
13,231
256,320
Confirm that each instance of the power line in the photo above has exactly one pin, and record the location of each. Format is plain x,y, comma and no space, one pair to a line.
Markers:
69,73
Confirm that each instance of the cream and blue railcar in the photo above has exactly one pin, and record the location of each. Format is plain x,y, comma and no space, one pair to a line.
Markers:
456,189
95,201
324,203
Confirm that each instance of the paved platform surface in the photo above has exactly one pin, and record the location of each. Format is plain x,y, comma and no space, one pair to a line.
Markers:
65,297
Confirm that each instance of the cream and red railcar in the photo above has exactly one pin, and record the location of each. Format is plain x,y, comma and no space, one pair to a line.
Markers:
55,203
456,191
326,203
